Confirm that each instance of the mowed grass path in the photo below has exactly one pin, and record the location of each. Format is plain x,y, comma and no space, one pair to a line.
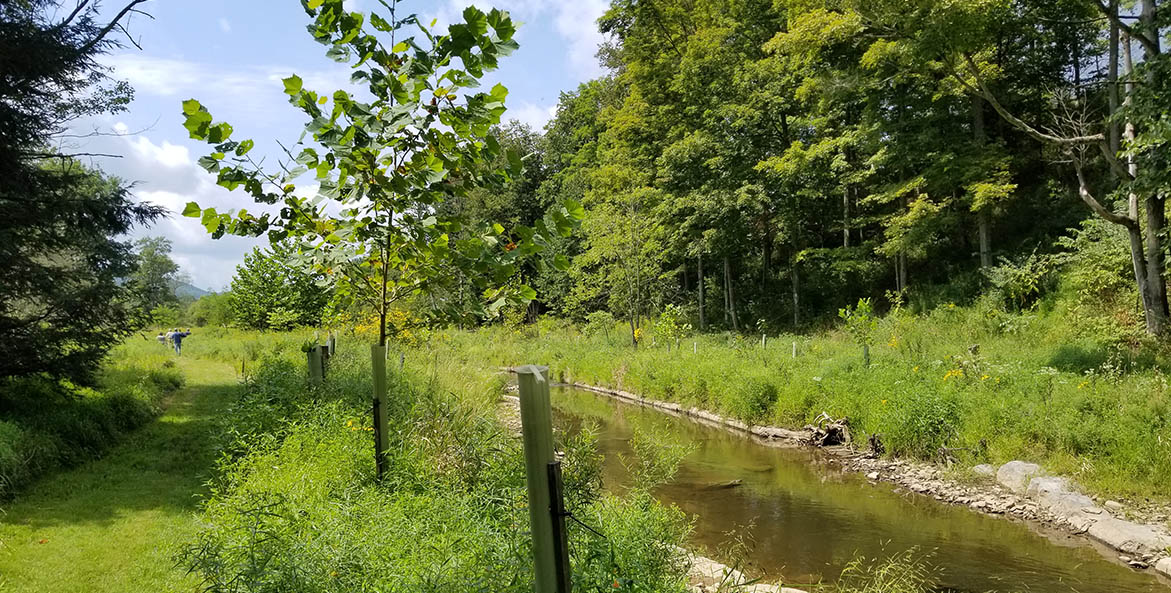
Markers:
115,524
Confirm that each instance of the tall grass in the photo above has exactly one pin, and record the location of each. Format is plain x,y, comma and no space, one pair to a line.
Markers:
295,506
970,383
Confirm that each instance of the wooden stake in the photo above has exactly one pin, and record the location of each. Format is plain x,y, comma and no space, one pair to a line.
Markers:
536,417
794,349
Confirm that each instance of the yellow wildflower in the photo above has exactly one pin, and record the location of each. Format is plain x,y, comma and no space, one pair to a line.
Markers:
985,378
916,369
894,342
1083,385
953,373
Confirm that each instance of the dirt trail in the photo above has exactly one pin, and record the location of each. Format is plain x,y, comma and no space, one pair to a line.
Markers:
114,524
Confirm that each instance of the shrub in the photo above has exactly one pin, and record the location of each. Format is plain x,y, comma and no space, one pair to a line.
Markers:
922,421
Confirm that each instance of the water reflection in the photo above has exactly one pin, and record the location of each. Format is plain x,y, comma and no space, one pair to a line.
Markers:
807,519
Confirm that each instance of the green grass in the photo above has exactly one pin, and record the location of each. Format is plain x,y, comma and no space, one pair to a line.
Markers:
48,425
989,385
115,524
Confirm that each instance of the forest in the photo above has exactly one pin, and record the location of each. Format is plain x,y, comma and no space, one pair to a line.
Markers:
823,289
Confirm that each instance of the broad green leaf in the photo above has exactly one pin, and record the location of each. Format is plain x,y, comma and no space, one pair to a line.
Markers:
293,83
574,209
192,210
561,262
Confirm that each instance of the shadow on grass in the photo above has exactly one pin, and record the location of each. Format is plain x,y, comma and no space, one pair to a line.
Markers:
161,467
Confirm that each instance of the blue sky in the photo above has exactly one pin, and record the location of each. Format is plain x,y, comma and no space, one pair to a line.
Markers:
231,56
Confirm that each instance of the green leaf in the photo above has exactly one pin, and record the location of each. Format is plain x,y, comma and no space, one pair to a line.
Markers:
244,147
574,209
293,83
219,132
191,107
499,92
526,293
315,4
210,164
192,210
477,21
561,262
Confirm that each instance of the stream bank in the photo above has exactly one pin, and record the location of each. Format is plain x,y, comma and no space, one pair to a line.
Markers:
1015,490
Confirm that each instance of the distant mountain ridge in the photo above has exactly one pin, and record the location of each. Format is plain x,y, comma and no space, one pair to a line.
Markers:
184,290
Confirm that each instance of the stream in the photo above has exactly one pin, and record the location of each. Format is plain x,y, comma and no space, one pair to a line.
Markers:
806,519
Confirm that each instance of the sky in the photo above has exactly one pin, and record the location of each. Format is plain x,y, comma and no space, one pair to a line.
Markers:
232,54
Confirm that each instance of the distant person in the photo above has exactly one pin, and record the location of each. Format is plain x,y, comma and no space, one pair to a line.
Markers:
168,336
162,338
177,338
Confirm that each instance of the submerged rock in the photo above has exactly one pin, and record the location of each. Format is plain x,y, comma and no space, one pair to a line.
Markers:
1015,475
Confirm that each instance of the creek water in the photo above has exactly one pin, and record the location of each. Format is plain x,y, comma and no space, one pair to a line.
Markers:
806,519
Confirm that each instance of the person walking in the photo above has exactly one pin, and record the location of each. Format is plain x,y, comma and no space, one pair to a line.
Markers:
177,337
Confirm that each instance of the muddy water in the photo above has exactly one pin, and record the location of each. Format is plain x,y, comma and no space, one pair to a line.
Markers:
806,519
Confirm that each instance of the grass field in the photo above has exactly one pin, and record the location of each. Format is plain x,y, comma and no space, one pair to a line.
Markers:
115,524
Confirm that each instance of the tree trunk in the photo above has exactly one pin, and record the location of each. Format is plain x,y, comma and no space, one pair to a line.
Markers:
983,214
846,215
984,221
731,294
1151,283
796,288
1112,132
702,317
727,307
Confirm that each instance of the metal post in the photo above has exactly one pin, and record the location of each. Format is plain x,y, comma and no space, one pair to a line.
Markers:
557,515
378,364
536,418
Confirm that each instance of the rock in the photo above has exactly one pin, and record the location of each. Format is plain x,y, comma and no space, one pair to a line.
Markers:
1092,510
724,485
1015,475
1164,566
1057,495
1138,564
984,470
1129,537
1112,505
872,476
1124,559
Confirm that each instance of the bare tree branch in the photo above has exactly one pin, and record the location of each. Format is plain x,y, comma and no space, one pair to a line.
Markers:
1016,121
109,26
1096,206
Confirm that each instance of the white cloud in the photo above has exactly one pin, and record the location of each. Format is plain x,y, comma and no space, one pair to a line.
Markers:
252,93
577,22
225,25
533,115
